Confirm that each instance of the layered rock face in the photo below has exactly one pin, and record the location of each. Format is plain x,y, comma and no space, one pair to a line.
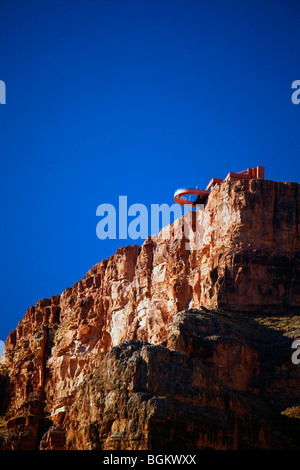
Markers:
171,343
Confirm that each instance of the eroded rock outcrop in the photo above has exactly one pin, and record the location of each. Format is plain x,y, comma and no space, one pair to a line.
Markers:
66,356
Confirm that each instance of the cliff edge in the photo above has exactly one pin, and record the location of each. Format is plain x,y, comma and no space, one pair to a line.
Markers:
165,347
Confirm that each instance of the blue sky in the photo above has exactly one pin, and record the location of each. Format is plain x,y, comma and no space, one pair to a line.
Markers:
135,98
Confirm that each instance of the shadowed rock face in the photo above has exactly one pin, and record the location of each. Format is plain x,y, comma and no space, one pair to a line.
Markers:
160,347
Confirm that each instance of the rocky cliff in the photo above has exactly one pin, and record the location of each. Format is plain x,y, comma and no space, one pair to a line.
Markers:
166,347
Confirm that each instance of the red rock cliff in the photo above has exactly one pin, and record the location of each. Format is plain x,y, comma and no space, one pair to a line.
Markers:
159,339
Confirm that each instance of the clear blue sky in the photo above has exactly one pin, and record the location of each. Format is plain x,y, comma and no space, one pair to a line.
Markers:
136,98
